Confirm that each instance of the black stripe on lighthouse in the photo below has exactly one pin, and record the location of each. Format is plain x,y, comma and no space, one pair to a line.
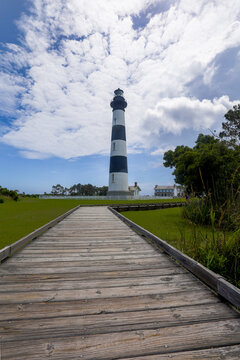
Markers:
118,132
118,164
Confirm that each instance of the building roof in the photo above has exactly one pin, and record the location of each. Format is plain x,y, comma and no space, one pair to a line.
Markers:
163,187
132,188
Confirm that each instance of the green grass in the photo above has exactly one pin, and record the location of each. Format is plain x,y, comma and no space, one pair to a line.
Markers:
215,249
19,218
168,224
108,202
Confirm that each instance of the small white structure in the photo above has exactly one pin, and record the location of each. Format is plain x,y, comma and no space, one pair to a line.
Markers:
169,191
134,190
118,171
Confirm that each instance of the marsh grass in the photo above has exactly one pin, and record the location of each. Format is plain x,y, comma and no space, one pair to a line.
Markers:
214,248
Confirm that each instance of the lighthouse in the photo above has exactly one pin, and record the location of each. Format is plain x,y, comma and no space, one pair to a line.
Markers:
118,171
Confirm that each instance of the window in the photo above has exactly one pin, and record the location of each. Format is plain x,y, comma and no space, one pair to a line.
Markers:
112,178
115,121
114,146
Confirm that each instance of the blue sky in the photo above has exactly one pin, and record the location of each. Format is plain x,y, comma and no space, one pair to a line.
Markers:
177,62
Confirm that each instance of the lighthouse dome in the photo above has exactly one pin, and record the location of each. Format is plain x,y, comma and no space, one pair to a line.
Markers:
118,92
118,102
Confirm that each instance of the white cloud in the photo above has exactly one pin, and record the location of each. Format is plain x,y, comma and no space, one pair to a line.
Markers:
162,150
173,115
76,53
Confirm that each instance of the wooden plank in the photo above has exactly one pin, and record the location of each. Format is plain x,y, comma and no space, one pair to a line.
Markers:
79,252
124,291
219,353
119,274
52,268
106,305
127,343
41,260
88,247
62,262
69,284
116,322
229,292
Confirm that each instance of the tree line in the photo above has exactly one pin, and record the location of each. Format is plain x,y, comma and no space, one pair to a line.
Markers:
211,169
80,190
9,193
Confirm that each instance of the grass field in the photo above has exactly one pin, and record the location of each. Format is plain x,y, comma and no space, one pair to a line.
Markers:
18,219
168,224
215,249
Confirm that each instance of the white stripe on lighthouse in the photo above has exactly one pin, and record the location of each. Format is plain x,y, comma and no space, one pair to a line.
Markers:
118,117
118,148
118,182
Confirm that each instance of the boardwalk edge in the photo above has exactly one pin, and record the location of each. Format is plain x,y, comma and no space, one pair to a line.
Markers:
215,281
16,246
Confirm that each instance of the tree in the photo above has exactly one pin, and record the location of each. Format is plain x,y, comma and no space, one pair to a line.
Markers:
11,193
231,127
58,190
210,167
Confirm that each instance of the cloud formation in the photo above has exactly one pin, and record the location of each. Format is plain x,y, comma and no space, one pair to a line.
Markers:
74,53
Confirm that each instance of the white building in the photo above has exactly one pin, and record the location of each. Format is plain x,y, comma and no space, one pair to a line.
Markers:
134,190
169,191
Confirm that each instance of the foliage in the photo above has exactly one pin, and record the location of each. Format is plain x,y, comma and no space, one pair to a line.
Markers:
231,127
1,201
9,193
226,215
218,250
210,167
79,189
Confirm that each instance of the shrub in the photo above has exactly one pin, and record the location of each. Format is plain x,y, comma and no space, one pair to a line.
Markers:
1,201
220,252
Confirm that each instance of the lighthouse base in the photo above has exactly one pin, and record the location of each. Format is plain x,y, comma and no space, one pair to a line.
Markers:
118,193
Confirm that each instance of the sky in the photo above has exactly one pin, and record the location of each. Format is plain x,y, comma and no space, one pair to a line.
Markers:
61,60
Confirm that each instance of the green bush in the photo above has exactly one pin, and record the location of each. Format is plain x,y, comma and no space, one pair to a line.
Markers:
220,251
11,193
1,201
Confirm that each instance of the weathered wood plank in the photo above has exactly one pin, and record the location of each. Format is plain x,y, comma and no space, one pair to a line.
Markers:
94,283
79,258
127,343
78,267
18,278
124,291
113,248
63,262
219,353
116,322
105,305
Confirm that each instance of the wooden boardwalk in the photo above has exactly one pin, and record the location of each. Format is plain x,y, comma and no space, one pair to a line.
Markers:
91,288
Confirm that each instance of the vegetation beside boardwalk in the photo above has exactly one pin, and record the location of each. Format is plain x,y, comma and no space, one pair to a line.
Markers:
216,249
19,218
211,171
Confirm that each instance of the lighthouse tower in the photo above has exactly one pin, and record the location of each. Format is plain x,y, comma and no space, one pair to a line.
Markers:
118,172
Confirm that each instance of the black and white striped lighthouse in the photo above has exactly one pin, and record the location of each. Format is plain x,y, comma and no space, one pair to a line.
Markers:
118,172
